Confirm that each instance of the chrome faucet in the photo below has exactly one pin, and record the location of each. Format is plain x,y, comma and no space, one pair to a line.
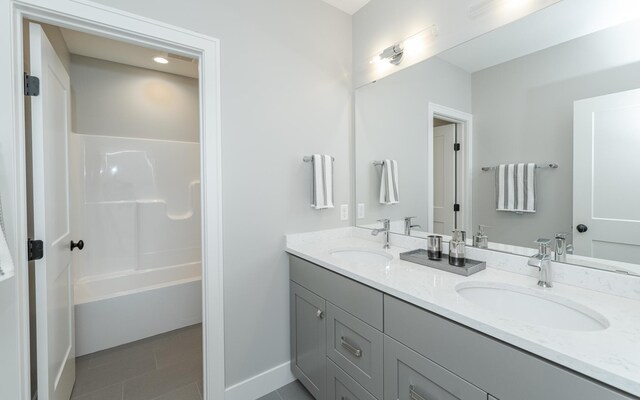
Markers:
385,229
542,261
408,226
562,248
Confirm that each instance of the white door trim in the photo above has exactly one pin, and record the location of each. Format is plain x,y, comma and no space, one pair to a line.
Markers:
465,136
105,21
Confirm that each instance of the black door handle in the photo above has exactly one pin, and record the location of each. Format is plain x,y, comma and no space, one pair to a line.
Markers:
79,245
582,228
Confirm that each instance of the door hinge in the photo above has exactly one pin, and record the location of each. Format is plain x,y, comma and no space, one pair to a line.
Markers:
456,147
31,85
35,249
456,207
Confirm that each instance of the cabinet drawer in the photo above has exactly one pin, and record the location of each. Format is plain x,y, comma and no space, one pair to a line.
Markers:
356,347
410,376
357,299
308,340
341,386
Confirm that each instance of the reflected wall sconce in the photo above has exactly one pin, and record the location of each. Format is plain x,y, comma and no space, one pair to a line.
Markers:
410,47
393,54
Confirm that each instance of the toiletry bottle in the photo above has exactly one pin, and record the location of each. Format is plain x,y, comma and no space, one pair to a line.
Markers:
457,247
480,239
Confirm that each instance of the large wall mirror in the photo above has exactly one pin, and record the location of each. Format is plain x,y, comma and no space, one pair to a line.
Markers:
530,131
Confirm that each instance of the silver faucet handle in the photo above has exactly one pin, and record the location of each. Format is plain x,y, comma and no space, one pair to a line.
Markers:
561,235
408,219
544,246
386,222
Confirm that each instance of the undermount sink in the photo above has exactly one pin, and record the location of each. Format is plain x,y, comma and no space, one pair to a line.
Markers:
532,306
362,256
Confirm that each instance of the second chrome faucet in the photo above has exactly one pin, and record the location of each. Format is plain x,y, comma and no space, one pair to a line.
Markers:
386,228
542,261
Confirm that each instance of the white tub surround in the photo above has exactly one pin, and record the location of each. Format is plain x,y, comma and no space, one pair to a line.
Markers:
121,308
611,356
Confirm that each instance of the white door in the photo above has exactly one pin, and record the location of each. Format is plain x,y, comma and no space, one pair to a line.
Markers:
50,121
444,137
606,177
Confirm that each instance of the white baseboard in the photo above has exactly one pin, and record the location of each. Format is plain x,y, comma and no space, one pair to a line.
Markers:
261,384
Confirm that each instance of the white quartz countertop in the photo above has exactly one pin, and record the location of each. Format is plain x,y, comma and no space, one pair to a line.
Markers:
611,355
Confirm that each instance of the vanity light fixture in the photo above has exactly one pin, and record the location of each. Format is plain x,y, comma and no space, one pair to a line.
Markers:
160,60
411,47
393,54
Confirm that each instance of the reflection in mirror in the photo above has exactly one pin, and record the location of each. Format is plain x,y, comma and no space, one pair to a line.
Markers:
529,137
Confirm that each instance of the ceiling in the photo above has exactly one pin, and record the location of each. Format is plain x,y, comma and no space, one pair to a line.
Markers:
88,45
348,6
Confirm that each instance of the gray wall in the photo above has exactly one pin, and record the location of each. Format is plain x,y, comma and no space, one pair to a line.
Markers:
114,99
523,112
391,123
286,93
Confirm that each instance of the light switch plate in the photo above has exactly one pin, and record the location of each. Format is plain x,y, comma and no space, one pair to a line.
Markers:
360,210
344,212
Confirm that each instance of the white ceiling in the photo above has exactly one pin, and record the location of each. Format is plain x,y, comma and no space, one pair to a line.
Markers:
561,22
102,48
348,6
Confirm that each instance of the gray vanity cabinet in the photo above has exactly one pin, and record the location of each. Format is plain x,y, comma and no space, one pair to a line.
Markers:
408,375
352,342
308,339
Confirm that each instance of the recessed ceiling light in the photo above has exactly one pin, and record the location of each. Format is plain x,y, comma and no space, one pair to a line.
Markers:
161,60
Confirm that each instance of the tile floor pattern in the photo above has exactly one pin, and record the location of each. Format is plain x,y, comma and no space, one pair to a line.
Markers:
292,391
163,367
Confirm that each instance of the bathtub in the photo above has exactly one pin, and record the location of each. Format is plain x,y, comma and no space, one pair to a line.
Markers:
120,308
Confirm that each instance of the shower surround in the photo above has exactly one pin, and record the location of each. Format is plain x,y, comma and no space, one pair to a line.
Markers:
137,208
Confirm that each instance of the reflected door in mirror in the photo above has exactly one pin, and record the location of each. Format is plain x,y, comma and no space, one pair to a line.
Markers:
607,176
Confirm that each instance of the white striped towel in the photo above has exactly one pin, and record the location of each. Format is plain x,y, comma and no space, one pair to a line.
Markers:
389,183
322,181
516,188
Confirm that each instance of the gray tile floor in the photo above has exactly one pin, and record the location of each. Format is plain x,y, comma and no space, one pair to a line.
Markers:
163,367
292,391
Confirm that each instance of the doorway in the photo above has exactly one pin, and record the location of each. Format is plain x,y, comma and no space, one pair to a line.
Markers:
115,187
113,25
445,177
449,144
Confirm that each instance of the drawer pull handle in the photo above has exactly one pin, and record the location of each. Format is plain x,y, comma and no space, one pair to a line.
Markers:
320,314
350,348
413,395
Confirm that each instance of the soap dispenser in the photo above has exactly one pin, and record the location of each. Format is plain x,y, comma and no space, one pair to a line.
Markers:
480,239
457,248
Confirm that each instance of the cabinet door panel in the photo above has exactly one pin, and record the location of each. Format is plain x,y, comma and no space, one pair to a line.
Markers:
410,376
341,386
308,340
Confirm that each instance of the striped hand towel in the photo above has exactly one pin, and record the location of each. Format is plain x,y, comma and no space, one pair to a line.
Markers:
389,183
322,181
516,188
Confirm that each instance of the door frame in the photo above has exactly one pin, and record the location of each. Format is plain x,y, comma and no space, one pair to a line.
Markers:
101,20
465,136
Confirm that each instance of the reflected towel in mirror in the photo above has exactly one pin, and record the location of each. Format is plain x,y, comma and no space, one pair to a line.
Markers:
322,181
389,183
516,188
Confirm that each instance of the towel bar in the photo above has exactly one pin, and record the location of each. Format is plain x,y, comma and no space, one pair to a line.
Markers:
376,163
310,158
550,165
